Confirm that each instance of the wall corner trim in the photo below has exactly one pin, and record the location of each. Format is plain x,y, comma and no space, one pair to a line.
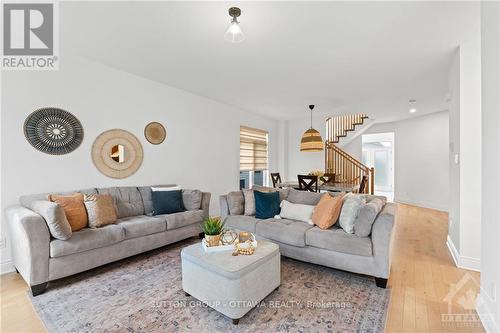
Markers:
464,262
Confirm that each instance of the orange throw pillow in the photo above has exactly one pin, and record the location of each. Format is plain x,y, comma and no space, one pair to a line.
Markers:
327,210
73,208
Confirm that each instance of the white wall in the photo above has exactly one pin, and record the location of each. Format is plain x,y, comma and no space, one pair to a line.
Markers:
201,149
420,159
465,135
489,300
303,162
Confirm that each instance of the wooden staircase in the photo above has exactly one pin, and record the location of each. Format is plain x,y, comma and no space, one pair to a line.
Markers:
346,168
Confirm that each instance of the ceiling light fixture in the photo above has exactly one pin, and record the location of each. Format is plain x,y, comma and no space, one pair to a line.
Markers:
234,34
412,102
311,140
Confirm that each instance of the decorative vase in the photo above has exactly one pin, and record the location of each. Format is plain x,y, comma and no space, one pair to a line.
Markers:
212,240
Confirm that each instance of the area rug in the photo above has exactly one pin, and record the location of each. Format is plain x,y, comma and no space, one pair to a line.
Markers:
144,294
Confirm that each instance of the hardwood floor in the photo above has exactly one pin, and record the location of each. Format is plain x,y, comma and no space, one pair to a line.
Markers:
423,274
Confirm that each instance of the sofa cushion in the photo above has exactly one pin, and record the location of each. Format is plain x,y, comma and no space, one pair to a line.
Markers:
267,205
249,202
297,212
350,207
336,239
73,208
137,226
366,216
182,219
167,202
87,239
303,197
327,211
241,222
147,199
54,216
283,231
236,203
191,199
101,209
128,200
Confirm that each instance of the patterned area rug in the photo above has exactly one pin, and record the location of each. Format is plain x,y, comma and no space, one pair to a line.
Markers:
144,294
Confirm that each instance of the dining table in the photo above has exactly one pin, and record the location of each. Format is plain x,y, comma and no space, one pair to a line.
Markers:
330,187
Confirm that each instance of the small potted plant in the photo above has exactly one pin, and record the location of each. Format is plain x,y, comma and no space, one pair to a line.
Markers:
213,228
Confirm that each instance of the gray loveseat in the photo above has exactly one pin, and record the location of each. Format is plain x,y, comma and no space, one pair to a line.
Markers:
39,258
332,247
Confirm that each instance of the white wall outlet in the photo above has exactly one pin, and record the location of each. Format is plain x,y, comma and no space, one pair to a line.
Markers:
456,158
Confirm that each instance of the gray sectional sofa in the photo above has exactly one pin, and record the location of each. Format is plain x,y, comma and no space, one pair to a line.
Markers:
39,258
332,247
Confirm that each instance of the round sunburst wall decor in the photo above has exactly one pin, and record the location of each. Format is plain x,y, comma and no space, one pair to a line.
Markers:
53,131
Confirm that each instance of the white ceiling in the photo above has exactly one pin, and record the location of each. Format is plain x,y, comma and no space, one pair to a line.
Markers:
344,57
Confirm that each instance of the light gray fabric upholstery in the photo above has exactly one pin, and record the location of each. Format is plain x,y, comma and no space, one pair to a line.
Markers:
30,237
40,259
236,203
67,265
224,208
303,197
142,225
382,240
54,216
182,219
366,216
284,231
249,202
147,199
191,199
205,204
241,222
338,240
350,207
128,200
87,239
26,200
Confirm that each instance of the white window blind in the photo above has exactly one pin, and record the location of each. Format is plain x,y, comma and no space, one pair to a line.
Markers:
253,149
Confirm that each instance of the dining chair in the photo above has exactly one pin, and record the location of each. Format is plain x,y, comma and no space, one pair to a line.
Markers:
362,185
308,183
329,178
276,178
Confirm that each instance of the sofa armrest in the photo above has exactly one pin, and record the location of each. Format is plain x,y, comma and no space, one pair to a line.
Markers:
30,239
205,204
382,234
224,208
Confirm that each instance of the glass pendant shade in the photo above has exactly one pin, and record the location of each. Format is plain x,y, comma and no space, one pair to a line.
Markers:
311,141
234,34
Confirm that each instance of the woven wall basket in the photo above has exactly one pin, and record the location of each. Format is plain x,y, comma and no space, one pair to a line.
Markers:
117,153
155,133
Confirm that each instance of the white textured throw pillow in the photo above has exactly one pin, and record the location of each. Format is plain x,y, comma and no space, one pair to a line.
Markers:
352,203
166,188
297,212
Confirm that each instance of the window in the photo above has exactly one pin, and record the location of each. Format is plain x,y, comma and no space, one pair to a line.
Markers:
253,157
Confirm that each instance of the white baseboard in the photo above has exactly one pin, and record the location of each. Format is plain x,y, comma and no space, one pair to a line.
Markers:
464,262
6,267
421,204
486,316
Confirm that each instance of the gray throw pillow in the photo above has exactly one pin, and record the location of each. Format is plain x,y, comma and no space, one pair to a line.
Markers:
249,202
236,202
54,216
366,216
191,199
303,197
349,212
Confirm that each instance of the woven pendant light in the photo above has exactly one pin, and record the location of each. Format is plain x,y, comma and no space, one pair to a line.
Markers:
311,139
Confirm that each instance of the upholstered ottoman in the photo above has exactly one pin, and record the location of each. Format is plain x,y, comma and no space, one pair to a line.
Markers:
232,285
